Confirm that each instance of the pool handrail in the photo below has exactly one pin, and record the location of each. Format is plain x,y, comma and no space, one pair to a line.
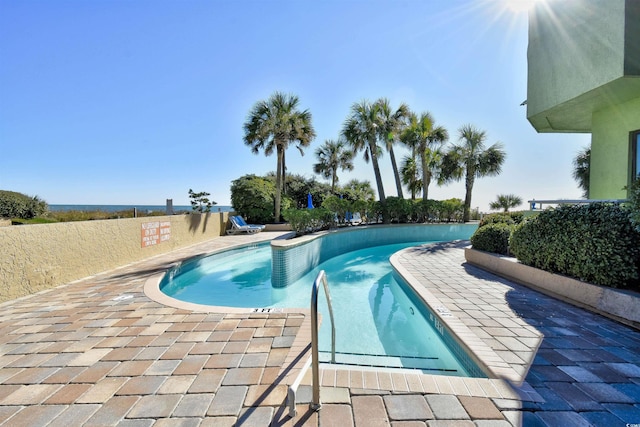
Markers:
322,277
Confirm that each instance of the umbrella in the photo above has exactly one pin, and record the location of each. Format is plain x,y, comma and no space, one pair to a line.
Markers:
309,201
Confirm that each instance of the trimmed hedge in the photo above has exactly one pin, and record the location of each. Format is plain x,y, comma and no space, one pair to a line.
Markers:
634,203
596,243
494,231
493,238
506,218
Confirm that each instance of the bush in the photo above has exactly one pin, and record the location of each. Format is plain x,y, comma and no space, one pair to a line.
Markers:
596,243
396,209
493,238
427,211
305,221
634,203
339,207
18,205
362,207
253,197
504,218
451,210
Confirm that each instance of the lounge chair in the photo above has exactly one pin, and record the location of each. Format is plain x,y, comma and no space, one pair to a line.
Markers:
239,225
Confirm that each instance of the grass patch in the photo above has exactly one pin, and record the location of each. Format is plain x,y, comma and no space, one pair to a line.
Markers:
69,216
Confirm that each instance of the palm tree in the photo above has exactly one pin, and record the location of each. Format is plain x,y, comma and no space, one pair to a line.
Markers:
274,124
506,202
333,155
359,190
361,132
470,159
426,139
390,126
410,171
581,170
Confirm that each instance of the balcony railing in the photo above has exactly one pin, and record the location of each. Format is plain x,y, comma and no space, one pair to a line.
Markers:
538,205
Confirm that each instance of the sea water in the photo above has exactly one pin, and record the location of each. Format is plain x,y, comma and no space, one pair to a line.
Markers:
141,208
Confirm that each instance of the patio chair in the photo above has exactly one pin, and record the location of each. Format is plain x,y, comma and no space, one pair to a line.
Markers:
239,225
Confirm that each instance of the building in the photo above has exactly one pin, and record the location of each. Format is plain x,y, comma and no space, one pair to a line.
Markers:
584,76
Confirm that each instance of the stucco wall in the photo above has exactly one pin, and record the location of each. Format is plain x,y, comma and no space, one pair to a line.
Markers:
610,150
41,256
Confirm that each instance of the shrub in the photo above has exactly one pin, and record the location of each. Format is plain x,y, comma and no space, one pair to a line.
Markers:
505,218
397,209
634,203
595,243
362,207
429,210
253,198
18,205
451,210
338,206
304,221
493,238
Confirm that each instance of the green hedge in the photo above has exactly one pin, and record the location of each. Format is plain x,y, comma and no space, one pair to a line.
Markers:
493,238
494,231
304,221
596,243
506,218
634,203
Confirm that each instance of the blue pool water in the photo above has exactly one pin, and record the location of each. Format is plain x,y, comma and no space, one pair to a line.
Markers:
379,321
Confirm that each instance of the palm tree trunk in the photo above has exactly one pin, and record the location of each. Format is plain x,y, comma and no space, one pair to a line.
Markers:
426,180
376,171
280,155
396,173
467,197
425,175
284,173
334,178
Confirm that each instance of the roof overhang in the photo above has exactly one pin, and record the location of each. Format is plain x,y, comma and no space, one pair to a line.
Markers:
574,115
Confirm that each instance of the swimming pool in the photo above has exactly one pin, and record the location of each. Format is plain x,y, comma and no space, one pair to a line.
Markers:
379,320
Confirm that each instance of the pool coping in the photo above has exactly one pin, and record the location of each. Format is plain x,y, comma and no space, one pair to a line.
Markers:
483,355
502,382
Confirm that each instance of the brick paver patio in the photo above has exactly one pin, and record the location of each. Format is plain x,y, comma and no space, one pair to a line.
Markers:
99,351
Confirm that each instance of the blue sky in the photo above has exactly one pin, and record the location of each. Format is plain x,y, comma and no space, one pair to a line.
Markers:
134,102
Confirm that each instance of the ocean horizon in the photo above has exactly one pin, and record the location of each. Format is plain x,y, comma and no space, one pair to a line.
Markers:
141,208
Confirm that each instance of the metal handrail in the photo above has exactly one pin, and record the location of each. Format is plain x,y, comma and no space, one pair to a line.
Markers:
532,203
322,277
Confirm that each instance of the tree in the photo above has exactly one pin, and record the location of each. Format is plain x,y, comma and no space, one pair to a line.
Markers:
581,170
273,125
299,187
200,202
470,159
391,124
411,172
253,197
361,132
425,139
506,202
333,155
358,190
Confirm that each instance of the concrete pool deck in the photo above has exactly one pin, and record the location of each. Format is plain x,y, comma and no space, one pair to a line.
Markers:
99,351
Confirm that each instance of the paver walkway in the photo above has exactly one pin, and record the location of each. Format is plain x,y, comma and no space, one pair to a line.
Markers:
100,352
